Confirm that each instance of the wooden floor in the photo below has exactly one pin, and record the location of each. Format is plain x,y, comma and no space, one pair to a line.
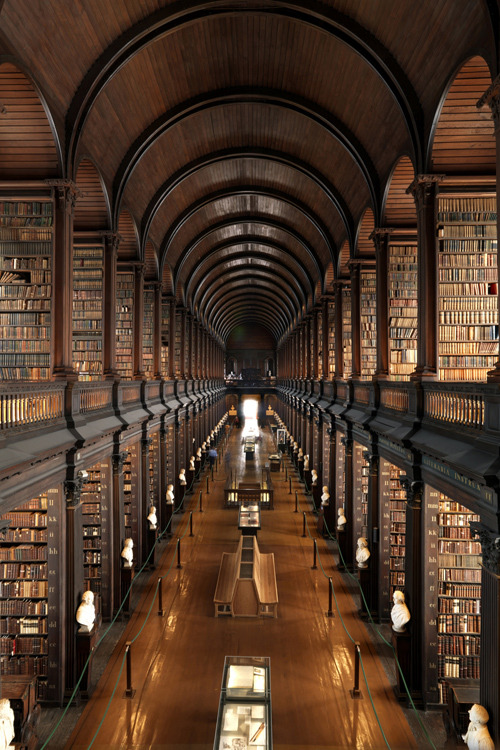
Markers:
177,660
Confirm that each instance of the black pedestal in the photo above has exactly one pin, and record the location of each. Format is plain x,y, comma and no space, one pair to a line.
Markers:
85,644
150,547
401,645
127,576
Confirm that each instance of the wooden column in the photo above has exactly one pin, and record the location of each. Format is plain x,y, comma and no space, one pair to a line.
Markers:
138,320
489,659
491,97
111,243
380,239
373,534
117,527
414,597
73,575
65,196
424,189
157,331
355,318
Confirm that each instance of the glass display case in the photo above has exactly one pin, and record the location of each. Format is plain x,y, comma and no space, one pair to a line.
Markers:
249,518
244,718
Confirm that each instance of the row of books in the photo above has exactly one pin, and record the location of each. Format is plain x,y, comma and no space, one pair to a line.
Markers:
24,589
23,608
24,665
471,317
464,667
459,645
26,208
468,274
468,260
23,626
21,346
459,623
23,552
12,570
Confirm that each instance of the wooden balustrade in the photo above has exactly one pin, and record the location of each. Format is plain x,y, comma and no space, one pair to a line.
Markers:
130,392
397,399
30,404
93,397
461,407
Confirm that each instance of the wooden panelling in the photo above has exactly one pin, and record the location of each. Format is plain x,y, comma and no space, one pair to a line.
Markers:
91,210
128,247
400,205
27,145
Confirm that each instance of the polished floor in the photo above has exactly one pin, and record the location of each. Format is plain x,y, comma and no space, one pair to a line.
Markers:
177,660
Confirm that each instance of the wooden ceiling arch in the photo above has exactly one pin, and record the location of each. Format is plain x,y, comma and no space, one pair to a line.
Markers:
232,298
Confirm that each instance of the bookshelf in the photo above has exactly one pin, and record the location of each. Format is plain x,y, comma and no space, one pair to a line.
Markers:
170,451
131,490
92,524
347,331
368,318
331,340
319,346
340,472
360,491
26,249
397,531
87,311
467,286
178,349
165,321
29,604
459,593
125,324
154,469
403,310
148,334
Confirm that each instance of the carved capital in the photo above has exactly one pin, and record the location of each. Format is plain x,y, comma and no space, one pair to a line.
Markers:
423,188
346,442
111,241
145,443
490,546
73,490
380,238
491,97
414,490
66,193
118,460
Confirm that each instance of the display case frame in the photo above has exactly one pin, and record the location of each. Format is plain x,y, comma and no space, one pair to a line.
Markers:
244,720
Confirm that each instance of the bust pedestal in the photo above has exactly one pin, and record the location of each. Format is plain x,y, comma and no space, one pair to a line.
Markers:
401,644
342,542
150,547
85,644
364,584
169,509
127,576
316,498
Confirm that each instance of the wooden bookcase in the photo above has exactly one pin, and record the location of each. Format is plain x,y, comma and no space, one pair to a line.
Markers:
331,340
96,527
397,530
148,334
30,606
368,319
125,324
87,311
170,451
339,472
347,331
26,252
319,347
131,495
165,322
154,469
403,309
467,286
177,350
360,492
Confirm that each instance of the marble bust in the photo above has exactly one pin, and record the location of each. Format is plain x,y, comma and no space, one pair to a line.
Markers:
191,463
85,614
300,454
182,476
306,462
6,724
128,553
314,477
400,614
478,736
170,494
152,518
198,453
341,519
325,497
362,552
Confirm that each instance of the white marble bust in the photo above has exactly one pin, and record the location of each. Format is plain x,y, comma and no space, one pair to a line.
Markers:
6,724
300,454
341,519
191,463
325,497
362,552
400,614
314,477
170,494
152,518
306,462
198,453
204,445
128,553
478,736
85,614
182,476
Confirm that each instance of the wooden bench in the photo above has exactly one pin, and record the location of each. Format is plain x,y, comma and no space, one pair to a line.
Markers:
246,584
226,582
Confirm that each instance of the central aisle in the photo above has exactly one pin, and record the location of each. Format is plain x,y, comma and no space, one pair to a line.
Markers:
177,660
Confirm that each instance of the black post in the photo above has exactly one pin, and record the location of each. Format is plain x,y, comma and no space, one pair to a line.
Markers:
129,692
179,553
191,523
315,567
355,691
290,485
330,597
304,524
160,598
208,491
296,502
201,503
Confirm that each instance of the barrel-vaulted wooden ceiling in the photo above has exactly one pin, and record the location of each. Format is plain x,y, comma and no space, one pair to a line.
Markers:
239,145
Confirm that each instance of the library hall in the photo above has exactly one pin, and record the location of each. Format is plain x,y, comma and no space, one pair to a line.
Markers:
249,375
